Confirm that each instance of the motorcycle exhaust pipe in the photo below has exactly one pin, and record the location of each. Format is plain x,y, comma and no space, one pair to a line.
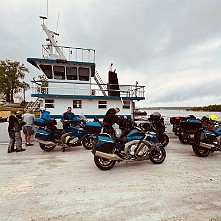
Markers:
208,146
107,156
48,143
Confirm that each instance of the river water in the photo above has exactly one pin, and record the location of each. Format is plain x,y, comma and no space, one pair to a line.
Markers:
165,113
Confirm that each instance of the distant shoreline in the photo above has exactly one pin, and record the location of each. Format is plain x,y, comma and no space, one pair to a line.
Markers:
165,108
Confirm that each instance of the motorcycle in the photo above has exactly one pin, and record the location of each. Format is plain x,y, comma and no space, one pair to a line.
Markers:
185,127
206,141
156,124
123,123
136,146
49,136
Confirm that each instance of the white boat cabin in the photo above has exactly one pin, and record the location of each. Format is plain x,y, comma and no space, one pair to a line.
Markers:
75,82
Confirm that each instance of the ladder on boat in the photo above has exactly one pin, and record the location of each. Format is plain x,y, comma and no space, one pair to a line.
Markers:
34,105
100,83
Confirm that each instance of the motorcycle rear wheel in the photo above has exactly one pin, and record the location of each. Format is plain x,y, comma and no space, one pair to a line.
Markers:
164,140
157,155
103,164
46,147
200,151
88,142
182,139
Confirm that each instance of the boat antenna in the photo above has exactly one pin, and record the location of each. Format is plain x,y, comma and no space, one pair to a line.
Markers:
47,13
57,22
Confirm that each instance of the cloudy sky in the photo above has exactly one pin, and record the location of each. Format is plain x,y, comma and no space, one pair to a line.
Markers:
173,47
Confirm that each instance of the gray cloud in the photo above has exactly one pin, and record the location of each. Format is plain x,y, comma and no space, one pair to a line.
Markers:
161,44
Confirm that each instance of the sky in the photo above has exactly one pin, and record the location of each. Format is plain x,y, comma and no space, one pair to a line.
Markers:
172,47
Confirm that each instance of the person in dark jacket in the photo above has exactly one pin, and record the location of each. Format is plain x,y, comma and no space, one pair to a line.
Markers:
110,119
14,130
67,116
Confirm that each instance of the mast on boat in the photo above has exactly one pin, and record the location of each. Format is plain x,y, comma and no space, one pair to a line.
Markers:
52,43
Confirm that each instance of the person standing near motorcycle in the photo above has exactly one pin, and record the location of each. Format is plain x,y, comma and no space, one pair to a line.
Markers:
110,119
67,116
14,130
28,127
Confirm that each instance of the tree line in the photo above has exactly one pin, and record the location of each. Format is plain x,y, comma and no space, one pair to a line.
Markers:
210,108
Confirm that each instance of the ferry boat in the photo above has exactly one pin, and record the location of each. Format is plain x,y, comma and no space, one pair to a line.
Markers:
71,79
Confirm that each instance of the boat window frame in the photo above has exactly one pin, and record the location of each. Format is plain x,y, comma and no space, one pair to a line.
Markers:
72,67
78,103
125,104
102,104
80,77
47,65
49,104
63,76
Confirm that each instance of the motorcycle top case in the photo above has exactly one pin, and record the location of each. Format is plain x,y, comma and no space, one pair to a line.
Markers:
191,124
175,120
105,144
93,127
43,135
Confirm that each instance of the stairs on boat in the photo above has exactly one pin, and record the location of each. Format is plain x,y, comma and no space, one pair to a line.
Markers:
100,83
34,105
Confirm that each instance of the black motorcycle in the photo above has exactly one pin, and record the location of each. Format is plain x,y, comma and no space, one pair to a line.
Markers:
185,128
156,124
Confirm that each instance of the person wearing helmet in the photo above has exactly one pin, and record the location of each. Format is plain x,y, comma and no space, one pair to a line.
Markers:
213,117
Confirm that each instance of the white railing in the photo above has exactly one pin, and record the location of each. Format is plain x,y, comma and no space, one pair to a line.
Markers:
70,53
90,89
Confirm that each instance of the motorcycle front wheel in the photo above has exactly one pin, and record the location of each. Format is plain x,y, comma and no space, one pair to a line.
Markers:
46,147
157,155
103,164
88,142
164,140
200,151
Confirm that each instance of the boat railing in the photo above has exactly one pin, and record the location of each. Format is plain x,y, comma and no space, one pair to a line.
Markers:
72,54
90,89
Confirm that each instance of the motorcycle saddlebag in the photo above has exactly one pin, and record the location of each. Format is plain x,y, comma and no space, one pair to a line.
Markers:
191,124
93,127
43,135
105,144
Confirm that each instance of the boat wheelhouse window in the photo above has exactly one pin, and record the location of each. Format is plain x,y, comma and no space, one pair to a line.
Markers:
71,73
47,69
59,72
102,104
126,104
49,103
83,74
77,103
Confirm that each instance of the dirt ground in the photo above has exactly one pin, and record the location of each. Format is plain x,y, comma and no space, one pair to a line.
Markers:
37,186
